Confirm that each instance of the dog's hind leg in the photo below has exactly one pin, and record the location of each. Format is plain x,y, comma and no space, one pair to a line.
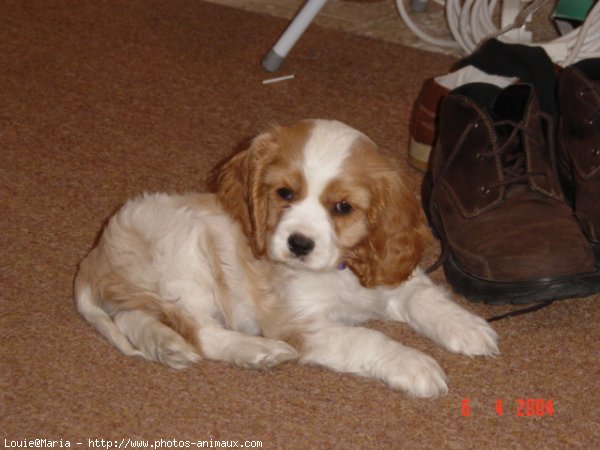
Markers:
156,341
226,327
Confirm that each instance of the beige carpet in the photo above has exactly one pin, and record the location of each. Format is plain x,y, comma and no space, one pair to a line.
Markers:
102,100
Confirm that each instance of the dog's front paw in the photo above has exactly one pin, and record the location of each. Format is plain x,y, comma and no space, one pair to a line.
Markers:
470,335
417,374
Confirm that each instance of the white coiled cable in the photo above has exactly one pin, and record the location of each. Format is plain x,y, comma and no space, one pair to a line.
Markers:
470,23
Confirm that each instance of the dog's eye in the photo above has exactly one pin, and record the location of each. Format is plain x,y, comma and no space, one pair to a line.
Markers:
286,194
342,208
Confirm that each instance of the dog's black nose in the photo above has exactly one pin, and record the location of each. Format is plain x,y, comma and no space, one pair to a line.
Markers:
300,245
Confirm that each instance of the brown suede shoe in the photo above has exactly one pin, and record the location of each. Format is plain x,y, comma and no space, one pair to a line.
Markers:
494,62
579,143
494,199
422,124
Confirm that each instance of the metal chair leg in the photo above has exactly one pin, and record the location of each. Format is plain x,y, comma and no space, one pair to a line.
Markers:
274,58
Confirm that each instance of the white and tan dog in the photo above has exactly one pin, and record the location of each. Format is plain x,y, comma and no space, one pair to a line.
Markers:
311,232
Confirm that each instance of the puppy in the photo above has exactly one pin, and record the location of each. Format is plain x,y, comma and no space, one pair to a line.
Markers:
311,232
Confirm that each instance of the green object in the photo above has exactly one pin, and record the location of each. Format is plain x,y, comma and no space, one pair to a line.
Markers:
569,14
573,9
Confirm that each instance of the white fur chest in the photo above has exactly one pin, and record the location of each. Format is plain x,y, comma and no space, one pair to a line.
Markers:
332,296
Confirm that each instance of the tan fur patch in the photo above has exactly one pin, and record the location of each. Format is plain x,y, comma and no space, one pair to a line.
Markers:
394,243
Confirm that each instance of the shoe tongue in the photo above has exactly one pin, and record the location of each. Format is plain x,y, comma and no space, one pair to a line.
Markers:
511,105
482,93
591,69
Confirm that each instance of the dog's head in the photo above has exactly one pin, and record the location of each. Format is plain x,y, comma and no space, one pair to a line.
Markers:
318,195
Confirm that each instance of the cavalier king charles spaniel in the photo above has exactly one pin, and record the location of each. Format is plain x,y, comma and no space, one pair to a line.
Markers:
311,232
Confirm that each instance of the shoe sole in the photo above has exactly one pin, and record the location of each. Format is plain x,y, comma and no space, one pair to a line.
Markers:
419,154
492,292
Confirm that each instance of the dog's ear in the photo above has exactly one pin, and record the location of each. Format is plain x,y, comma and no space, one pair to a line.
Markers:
396,236
241,191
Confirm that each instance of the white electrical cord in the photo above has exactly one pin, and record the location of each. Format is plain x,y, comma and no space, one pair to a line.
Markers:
470,23
421,34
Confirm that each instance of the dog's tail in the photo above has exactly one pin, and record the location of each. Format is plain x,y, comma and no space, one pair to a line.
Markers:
88,305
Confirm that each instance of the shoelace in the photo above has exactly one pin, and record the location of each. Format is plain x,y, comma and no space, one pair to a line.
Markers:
520,312
514,164
515,171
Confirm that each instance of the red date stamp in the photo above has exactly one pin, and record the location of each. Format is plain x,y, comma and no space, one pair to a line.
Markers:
522,407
